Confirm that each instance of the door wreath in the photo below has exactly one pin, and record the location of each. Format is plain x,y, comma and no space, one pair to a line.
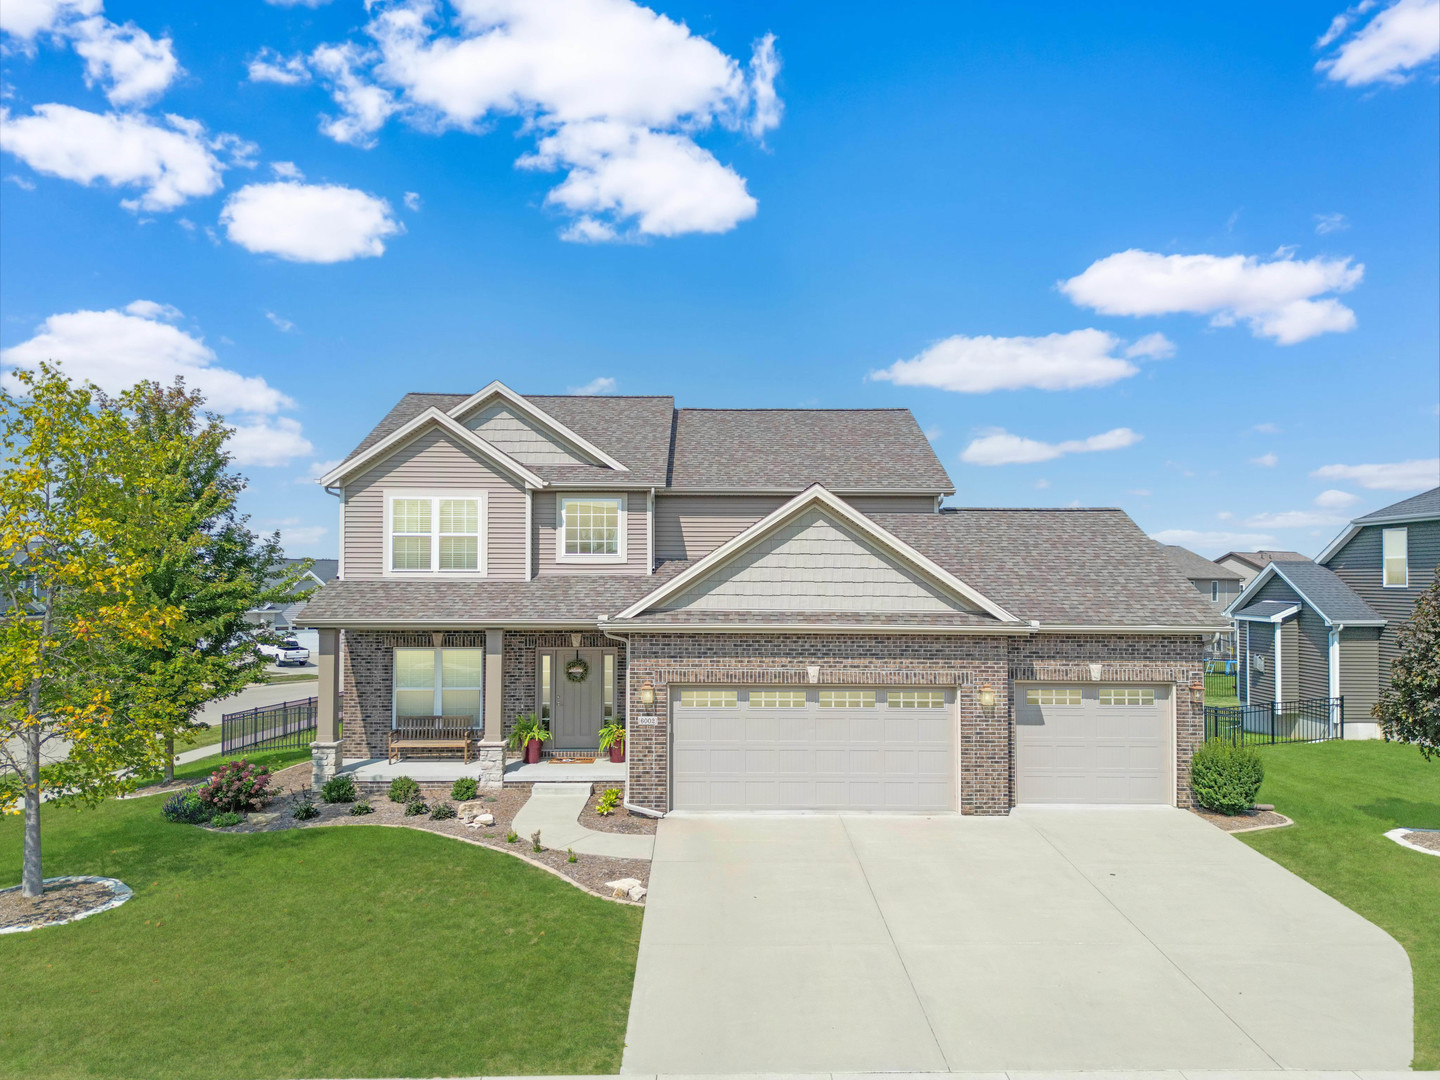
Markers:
576,670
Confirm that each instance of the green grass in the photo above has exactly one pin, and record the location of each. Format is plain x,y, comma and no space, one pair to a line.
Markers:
295,676
351,951
1344,797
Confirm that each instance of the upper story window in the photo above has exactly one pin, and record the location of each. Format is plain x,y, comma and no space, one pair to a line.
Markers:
1214,592
429,534
591,529
1395,557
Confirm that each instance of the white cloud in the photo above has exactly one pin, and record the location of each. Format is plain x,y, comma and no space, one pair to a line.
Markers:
602,384
1294,519
319,223
978,365
1265,461
316,470
1415,475
615,93
999,447
1143,493
1224,515
934,432
1388,48
268,441
1042,484
1216,542
1328,223
1153,347
294,534
170,164
1267,428
412,200
282,324
27,19
286,170
136,67
270,66
1335,499
152,309
1276,298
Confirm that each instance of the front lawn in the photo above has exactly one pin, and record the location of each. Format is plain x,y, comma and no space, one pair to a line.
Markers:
1344,797
350,951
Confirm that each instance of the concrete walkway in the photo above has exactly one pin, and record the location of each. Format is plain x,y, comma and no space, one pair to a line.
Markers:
1159,1074
554,809
1138,939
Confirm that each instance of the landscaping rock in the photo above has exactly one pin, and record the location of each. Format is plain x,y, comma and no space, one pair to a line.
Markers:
629,887
469,809
480,821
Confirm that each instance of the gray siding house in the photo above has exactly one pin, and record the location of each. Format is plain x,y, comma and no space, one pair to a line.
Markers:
773,603
1249,563
1335,621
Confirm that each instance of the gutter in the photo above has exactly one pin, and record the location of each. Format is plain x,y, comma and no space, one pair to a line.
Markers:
1012,629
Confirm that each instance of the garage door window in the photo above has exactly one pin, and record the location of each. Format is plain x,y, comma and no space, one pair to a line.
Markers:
1052,695
709,699
916,699
847,699
1127,695
777,699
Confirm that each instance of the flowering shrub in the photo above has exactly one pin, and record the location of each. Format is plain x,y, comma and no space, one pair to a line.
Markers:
304,806
185,808
237,786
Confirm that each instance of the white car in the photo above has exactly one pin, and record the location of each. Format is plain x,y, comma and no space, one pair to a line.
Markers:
288,651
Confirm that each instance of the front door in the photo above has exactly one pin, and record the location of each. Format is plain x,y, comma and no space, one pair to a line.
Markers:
577,709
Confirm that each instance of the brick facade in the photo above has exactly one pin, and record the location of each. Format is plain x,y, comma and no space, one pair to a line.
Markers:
521,680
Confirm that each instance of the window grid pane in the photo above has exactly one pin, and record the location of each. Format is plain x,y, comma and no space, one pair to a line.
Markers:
592,526
847,699
916,699
709,699
1053,695
415,669
1127,695
459,516
410,553
777,699
410,516
459,553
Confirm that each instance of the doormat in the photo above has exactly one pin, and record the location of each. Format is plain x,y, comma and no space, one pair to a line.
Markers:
571,760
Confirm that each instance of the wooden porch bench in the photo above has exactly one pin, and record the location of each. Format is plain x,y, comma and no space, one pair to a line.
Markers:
432,733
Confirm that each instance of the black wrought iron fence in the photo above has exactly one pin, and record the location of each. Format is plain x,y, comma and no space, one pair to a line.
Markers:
288,725
1304,720
1220,679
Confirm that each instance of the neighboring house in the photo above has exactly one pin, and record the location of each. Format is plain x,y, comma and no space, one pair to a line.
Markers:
1249,563
281,617
1333,623
772,600
1217,584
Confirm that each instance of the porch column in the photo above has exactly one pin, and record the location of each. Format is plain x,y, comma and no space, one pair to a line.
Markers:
494,685
325,750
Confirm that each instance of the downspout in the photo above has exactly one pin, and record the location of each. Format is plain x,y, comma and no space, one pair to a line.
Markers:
529,527
641,810
1279,667
340,494
1335,632
649,537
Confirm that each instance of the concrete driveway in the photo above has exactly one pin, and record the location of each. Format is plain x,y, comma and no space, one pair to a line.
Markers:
1054,939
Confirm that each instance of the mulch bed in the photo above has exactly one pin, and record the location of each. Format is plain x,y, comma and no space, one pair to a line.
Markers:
618,820
1250,819
1430,840
61,900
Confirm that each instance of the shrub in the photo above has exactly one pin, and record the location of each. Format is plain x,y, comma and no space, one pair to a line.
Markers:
403,789
339,789
464,789
361,807
535,841
605,805
226,819
443,812
305,808
511,836
570,852
1226,777
185,808
415,807
237,786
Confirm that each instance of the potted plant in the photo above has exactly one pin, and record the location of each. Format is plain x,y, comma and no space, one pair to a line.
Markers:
612,738
528,735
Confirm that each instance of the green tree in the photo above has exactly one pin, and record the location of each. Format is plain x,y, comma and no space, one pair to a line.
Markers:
1409,711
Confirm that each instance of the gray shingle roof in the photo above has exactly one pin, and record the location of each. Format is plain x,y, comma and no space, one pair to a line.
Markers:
820,620
789,449
1197,567
1424,505
1326,593
1260,559
1266,609
1062,567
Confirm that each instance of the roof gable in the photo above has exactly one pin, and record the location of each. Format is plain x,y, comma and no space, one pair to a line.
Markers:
526,428
429,420
1318,588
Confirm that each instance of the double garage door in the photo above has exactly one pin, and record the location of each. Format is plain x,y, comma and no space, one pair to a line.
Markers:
791,748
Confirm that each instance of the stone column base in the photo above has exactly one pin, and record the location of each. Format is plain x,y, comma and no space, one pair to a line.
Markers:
490,757
325,760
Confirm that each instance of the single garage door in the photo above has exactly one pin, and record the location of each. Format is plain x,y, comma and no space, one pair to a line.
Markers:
785,748
1093,744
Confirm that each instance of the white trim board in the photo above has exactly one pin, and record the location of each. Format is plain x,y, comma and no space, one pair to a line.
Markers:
411,430
539,417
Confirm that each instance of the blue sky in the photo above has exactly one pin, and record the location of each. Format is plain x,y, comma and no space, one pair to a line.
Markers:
1183,261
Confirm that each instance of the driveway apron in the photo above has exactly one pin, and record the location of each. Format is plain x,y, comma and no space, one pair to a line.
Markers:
1086,939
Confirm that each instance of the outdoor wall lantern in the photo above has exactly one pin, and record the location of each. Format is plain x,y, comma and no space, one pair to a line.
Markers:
647,693
987,696
1197,691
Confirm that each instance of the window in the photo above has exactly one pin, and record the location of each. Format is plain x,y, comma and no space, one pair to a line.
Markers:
1127,695
1214,592
434,534
709,699
591,530
438,682
545,686
847,699
609,687
777,699
1395,554
1052,695
916,699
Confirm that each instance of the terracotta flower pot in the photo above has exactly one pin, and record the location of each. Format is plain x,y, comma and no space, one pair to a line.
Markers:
532,752
617,752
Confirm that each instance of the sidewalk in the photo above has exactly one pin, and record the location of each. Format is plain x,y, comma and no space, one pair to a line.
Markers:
554,809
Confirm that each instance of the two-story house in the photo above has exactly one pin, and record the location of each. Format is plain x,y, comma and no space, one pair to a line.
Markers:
773,601
1323,629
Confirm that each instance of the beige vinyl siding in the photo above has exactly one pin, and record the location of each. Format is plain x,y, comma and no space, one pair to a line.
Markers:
813,564
1229,590
508,431
1358,565
1313,649
547,508
433,462
1359,670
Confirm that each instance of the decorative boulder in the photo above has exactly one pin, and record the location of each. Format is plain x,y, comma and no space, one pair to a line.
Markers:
473,810
627,887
